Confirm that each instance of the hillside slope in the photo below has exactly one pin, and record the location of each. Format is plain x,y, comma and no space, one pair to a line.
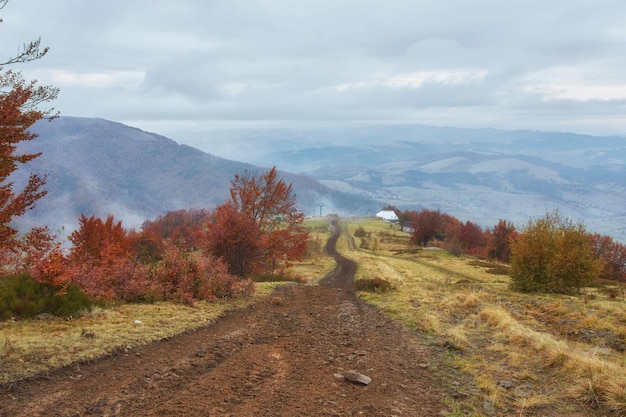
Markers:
99,167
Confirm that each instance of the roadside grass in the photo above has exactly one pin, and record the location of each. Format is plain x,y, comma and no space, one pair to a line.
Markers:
523,353
315,264
32,347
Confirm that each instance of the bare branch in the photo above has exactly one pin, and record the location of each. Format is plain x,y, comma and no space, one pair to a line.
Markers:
27,52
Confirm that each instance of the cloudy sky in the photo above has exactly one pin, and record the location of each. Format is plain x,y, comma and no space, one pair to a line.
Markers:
191,65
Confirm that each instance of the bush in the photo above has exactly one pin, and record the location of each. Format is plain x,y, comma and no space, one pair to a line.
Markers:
360,232
314,249
21,296
377,285
553,255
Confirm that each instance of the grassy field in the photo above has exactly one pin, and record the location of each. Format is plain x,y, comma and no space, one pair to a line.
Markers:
530,354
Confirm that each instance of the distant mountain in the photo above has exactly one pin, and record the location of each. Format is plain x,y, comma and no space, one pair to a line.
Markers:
99,167
480,175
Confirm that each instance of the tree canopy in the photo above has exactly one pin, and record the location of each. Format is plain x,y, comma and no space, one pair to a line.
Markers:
20,102
259,230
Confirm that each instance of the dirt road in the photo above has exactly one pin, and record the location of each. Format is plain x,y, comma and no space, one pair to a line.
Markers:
283,356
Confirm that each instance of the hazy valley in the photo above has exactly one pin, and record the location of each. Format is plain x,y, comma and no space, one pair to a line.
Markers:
480,175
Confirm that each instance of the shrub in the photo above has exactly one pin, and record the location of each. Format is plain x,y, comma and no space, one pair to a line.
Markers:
377,285
314,249
553,255
21,296
360,232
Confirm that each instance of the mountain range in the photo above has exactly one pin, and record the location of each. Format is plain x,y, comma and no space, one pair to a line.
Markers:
95,166
98,167
481,175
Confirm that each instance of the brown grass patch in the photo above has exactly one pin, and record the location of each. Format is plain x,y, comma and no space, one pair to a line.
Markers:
31,347
541,344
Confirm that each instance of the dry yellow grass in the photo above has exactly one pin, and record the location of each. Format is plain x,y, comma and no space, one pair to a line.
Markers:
31,347
316,264
541,353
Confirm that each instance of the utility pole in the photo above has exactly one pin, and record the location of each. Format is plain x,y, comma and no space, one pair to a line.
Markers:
321,205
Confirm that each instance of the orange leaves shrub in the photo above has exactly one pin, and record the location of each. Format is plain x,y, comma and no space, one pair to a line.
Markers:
428,225
189,277
38,254
554,255
217,282
101,261
446,231
106,261
182,228
44,258
113,275
178,256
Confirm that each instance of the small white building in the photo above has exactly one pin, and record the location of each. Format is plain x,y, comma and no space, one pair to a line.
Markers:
387,215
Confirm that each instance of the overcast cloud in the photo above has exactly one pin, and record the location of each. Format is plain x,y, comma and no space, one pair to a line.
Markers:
170,66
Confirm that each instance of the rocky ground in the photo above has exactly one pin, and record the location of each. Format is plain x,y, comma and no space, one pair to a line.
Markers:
288,355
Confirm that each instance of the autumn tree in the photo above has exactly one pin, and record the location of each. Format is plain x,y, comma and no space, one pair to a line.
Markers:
94,235
471,237
101,260
612,254
500,242
277,236
148,245
235,237
428,225
553,254
181,227
20,102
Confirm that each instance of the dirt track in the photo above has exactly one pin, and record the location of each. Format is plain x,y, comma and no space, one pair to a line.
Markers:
278,357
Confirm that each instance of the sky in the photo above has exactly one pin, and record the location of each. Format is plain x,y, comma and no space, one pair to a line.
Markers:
172,67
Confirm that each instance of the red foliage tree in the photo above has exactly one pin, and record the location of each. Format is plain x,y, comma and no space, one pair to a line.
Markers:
181,227
235,237
102,262
612,254
44,258
501,237
148,246
428,225
18,112
271,234
94,235
189,277
471,238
